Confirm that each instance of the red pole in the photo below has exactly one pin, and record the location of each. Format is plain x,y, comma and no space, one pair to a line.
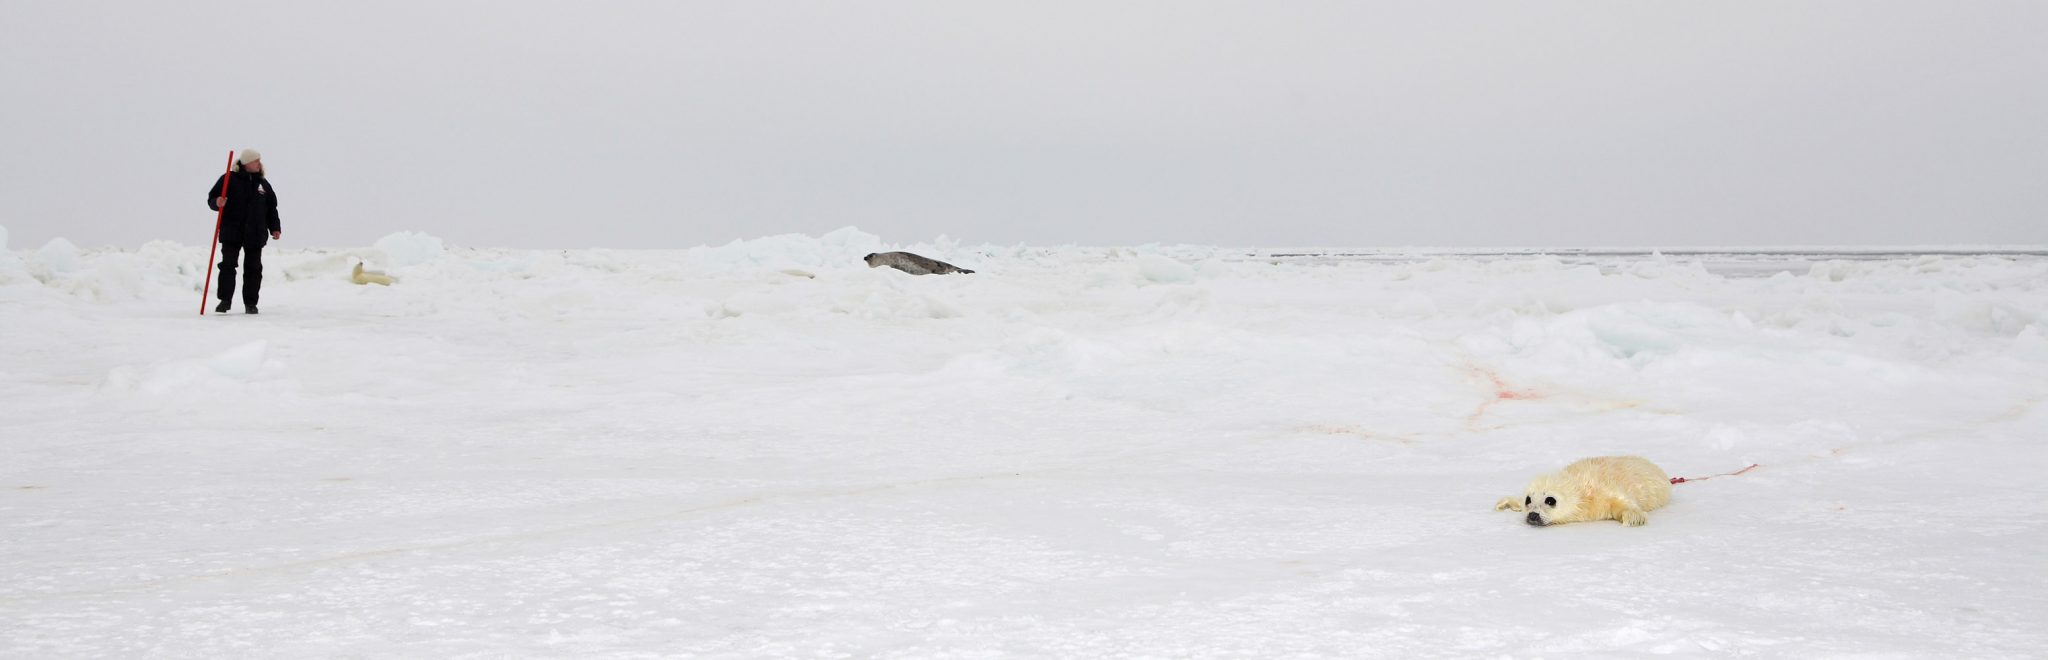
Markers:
213,248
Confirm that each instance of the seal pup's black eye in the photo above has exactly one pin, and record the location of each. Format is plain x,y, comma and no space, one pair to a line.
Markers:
1526,500
1550,501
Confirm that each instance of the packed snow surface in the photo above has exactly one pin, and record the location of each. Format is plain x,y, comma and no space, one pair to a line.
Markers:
768,449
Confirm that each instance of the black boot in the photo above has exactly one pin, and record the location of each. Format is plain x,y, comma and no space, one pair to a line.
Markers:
221,308
248,309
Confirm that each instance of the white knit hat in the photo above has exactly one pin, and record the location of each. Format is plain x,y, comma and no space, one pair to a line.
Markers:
245,157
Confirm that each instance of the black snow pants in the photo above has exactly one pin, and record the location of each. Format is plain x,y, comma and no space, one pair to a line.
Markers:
252,272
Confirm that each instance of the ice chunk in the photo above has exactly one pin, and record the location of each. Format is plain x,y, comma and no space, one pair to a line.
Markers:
2029,344
408,248
58,256
841,248
116,276
11,268
319,265
1164,270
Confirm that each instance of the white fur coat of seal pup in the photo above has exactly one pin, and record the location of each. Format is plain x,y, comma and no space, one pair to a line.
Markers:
1623,488
913,264
360,276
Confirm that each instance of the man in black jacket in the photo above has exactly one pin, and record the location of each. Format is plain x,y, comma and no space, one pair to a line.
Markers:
249,223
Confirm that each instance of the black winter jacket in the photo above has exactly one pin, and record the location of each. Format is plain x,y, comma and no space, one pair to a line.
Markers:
252,209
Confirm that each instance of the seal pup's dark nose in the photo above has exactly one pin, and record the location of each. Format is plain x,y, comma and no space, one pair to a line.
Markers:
1535,519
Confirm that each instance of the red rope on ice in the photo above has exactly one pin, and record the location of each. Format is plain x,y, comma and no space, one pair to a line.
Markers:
1680,480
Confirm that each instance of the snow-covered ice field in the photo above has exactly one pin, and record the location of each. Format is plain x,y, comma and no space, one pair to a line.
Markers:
1163,452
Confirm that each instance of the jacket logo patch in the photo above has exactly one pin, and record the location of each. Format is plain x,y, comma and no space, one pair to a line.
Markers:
260,190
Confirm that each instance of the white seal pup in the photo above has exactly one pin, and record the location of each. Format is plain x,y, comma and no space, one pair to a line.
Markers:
360,276
1620,488
911,263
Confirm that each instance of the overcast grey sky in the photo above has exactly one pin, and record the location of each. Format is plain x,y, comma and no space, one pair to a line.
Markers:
671,124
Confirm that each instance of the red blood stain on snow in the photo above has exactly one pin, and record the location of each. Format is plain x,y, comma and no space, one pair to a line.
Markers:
1354,429
1501,392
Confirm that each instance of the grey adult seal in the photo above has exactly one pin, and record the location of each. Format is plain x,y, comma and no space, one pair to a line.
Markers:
911,263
